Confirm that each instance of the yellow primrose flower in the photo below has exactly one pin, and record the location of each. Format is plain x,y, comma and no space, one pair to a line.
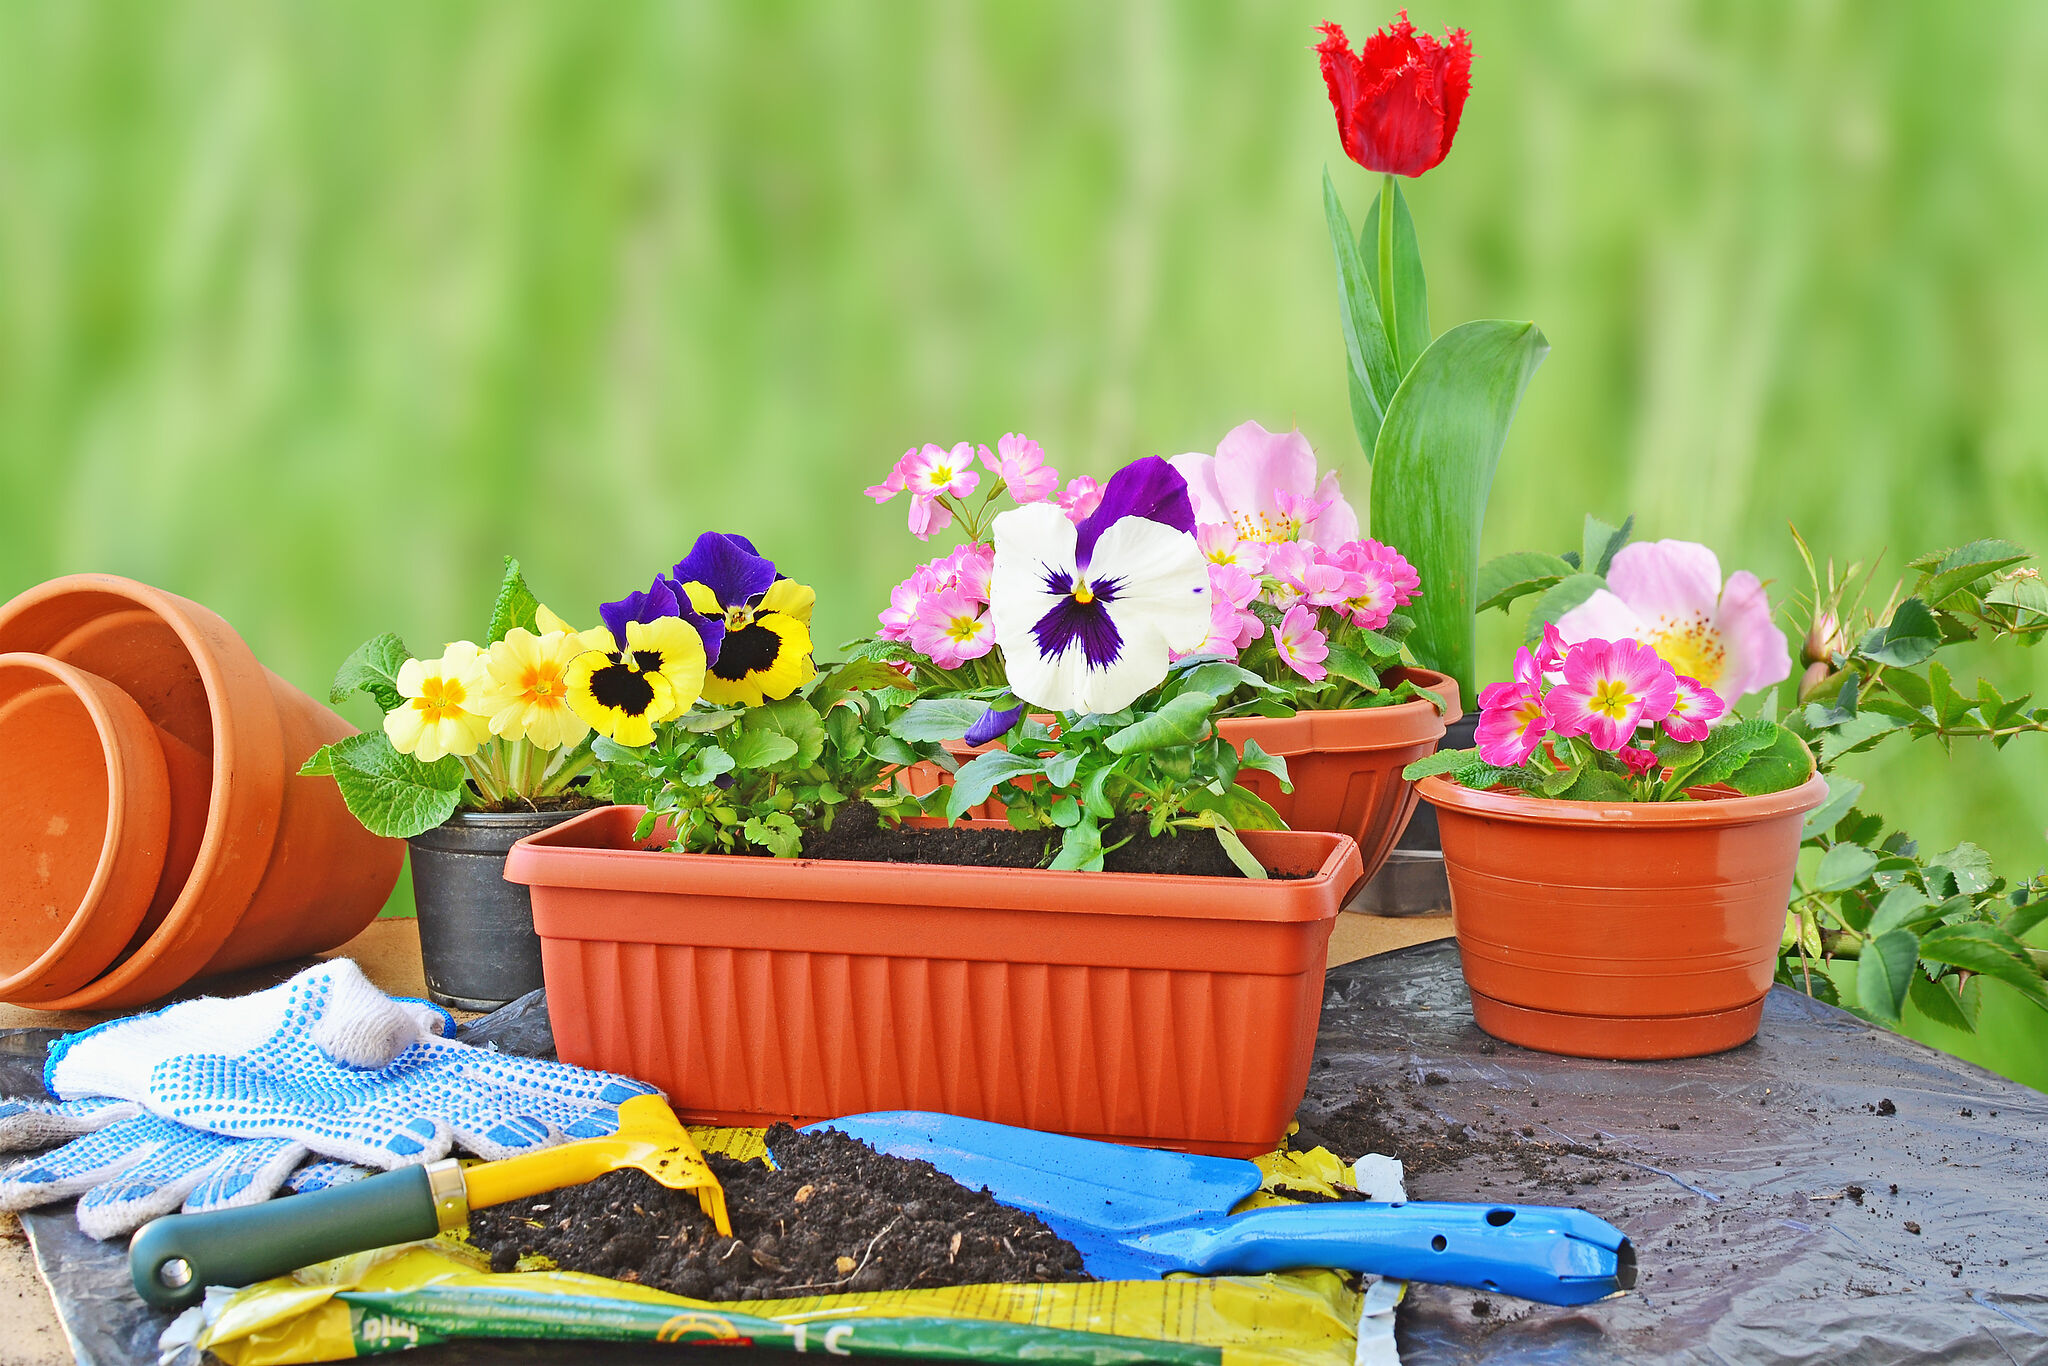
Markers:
526,692
440,715
623,693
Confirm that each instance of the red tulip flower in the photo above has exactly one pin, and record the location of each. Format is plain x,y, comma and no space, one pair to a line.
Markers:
1398,102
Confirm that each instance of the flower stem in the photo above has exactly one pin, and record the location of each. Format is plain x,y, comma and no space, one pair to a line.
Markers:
1387,317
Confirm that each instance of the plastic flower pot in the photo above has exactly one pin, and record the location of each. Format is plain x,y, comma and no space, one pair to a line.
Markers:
1154,1009
476,929
89,793
1620,929
282,869
1345,766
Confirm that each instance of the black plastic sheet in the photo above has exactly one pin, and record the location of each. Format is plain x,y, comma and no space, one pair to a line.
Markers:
1733,1174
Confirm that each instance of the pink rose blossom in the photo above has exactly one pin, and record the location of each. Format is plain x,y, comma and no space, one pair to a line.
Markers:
1020,464
1639,761
1243,484
1301,645
1079,497
1512,721
1694,712
1610,688
951,629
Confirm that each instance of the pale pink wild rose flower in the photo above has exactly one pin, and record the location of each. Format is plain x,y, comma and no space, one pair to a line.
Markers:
1221,544
1243,485
1670,596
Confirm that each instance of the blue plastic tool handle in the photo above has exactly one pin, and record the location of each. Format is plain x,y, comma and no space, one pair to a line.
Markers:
1551,1255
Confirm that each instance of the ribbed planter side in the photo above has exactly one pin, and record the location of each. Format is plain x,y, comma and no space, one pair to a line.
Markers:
1161,1010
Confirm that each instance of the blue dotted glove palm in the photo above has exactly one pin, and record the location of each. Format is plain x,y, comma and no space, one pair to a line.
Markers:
128,1166
329,1062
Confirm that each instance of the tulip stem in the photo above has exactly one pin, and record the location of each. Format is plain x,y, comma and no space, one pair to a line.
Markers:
1387,305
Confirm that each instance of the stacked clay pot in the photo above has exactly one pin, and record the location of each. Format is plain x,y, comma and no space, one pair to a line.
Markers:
153,824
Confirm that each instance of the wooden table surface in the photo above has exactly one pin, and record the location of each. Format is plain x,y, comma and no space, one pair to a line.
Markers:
389,953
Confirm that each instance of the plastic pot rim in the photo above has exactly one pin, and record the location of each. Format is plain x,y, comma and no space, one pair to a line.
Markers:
1442,792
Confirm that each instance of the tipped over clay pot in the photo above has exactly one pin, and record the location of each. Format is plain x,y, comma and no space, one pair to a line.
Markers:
281,869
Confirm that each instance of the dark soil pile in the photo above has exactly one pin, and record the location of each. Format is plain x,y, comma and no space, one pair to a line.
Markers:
1195,853
1397,1121
836,1216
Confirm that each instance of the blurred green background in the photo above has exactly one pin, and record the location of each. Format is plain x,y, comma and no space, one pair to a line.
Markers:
311,313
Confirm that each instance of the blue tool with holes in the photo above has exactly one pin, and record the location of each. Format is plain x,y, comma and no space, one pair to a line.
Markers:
1136,1214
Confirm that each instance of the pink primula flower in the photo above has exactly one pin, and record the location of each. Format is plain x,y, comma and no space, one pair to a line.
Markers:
1694,711
1301,645
1243,484
1550,658
1020,463
1400,575
897,617
1512,721
1220,544
967,570
1610,688
1287,566
1079,497
1371,604
929,474
1669,595
1232,626
951,629
1639,761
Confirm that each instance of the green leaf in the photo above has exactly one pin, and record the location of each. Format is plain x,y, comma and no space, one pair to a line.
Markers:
795,719
1597,785
1843,867
1181,720
1504,578
976,780
706,766
1941,1002
1780,766
320,764
1253,757
938,718
1910,637
775,832
699,721
1372,364
1884,972
1558,599
2020,920
765,748
1726,749
1061,767
1970,867
1949,708
1965,565
516,604
1238,806
1599,541
1220,679
1080,848
1407,319
2028,595
1442,761
373,669
1346,663
1433,470
1901,908
1842,794
864,675
391,793
1239,855
1978,947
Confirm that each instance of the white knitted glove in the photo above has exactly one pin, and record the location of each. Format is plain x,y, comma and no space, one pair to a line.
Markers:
328,1061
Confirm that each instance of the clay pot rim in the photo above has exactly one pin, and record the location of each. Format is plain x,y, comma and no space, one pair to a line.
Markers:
98,697
566,856
238,705
1441,791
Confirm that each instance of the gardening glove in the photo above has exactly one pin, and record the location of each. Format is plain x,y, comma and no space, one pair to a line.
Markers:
328,1061
128,1166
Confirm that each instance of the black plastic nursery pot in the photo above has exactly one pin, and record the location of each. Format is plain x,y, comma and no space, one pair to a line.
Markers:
477,944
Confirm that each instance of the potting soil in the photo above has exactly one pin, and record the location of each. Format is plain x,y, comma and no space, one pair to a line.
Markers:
831,1216
1128,846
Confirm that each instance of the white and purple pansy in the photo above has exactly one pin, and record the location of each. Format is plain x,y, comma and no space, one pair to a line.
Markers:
1089,615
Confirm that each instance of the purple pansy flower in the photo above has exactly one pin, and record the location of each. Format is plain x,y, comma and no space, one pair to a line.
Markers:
660,600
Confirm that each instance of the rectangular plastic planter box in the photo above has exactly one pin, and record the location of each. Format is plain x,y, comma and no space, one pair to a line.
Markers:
1163,1010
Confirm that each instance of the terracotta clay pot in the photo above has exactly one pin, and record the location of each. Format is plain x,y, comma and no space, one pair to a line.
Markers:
281,869
1164,1010
1620,929
1345,766
86,802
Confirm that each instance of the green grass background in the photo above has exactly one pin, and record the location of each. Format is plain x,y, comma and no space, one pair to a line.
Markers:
312,312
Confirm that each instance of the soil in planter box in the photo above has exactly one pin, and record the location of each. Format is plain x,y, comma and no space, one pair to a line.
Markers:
836,1216
1191,853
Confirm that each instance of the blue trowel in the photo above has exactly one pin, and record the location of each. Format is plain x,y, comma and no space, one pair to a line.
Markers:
1137,1213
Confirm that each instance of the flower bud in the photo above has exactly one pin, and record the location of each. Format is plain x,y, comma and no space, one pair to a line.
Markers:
1813,680
1825,640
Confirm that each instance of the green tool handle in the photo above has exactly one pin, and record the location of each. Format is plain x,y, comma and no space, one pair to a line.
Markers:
173,1259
